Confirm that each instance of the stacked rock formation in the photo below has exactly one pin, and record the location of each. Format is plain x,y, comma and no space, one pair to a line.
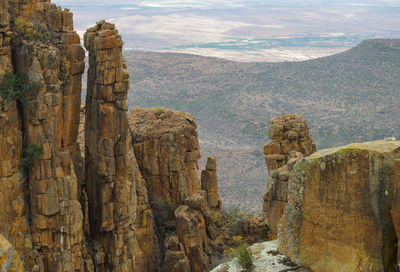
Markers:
167,150
290,142
209,183
338,211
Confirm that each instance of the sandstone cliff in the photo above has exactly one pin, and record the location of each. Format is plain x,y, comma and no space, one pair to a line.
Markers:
290,142
339,209
44,222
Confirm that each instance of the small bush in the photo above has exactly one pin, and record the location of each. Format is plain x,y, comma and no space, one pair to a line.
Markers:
159,111
30,154
17,86
31,31
275,174
64,70
9,87
244,257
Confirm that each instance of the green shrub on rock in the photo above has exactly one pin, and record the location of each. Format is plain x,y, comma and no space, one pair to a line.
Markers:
30,154
244,257
16,86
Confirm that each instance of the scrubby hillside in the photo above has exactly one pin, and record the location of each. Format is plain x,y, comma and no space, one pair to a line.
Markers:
348,97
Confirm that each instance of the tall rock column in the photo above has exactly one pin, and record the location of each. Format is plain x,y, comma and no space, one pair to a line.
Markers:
110,175
290,142
14,210
209,183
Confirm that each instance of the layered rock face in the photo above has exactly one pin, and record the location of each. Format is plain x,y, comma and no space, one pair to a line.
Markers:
291,141
110,171
13,215
338,212
167,150
43,119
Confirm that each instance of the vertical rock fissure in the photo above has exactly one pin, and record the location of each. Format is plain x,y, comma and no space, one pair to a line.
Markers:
382,196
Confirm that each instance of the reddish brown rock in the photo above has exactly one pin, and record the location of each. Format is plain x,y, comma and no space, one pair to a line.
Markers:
110,172
338,211
209,183
290,142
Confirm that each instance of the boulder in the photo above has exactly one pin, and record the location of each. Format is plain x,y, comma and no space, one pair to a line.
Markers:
338,213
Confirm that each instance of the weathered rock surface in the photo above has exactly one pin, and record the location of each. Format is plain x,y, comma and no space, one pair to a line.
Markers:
60,213
9,258
46,118
110,172
338,212
288,133
167,150
209,183
290,142
396,203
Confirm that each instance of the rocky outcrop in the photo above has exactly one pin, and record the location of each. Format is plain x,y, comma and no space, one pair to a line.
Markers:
338,211
166,147
290,142
167,151
209,183
110,172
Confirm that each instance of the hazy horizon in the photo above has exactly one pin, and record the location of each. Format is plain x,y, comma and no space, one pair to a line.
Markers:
243,30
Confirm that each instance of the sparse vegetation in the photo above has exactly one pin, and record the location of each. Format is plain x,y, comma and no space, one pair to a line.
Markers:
64,68
244,257
30,154
348,97
31,30
275,174
159,111
17,87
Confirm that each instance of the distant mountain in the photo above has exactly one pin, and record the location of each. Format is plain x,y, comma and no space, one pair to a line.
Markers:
348,97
